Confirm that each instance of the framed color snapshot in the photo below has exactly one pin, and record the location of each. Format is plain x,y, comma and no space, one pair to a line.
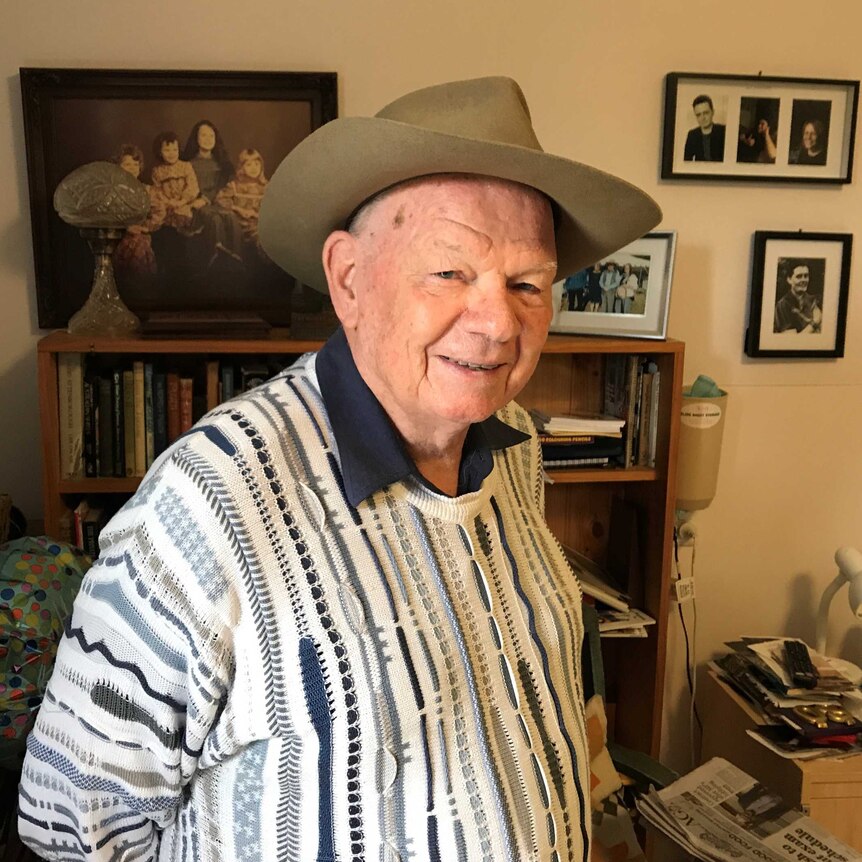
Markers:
627,293
799,288
758,128
203,143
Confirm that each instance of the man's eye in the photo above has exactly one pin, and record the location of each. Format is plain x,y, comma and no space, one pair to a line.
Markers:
526,287
447,275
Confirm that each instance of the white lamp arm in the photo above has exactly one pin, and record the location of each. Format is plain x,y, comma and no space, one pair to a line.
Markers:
823,612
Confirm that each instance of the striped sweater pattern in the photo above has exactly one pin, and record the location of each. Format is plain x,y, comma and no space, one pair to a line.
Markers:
256,670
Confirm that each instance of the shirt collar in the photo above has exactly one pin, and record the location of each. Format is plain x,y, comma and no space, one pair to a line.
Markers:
377,457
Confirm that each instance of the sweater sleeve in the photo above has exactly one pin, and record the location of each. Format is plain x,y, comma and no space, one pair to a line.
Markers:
139,684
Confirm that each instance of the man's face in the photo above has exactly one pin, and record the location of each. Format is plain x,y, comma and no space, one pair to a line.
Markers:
452,287
703,113
798,280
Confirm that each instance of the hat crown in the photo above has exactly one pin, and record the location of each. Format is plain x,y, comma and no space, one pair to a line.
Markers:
484,109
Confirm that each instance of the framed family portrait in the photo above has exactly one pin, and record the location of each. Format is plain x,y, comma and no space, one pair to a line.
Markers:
758,128
799,288
203,144
626,294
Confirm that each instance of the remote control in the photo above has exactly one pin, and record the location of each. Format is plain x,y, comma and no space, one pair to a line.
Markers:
798,664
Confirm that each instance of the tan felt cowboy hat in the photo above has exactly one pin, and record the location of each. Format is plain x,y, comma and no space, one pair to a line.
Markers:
480,126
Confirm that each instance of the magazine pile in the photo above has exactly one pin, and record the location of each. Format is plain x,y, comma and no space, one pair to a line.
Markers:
718,813
579,440
822,719
617,618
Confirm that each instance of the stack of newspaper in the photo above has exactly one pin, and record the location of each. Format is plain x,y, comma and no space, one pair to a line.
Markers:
718,814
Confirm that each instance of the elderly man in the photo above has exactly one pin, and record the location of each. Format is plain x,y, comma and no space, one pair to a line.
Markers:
332,623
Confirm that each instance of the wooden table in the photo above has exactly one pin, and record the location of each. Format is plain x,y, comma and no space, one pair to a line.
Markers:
828,789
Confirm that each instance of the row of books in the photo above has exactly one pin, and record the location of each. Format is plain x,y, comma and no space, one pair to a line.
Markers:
115,421
632,391
617,617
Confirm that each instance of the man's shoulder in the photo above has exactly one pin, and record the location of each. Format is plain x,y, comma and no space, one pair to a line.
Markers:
261,415
517,417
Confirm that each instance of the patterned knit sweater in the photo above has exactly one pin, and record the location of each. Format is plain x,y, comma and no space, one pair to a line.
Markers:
256,670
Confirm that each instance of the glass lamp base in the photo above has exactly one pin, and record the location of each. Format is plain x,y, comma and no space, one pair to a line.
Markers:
104,313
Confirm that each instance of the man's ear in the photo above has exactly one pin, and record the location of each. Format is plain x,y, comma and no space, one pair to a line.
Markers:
339,263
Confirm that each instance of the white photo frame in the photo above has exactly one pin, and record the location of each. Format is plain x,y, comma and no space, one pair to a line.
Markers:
623,308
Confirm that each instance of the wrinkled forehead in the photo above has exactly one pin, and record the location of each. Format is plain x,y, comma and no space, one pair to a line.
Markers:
441,192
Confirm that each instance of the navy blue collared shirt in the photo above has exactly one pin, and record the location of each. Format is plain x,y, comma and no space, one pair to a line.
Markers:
372,452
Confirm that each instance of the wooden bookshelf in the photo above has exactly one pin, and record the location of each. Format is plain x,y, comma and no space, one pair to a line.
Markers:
570,377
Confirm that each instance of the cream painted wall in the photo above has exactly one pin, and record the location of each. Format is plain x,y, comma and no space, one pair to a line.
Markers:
790,487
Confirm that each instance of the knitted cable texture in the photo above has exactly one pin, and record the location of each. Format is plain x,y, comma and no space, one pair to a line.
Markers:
256,670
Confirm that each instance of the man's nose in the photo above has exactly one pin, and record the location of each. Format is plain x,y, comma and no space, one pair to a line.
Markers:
492,312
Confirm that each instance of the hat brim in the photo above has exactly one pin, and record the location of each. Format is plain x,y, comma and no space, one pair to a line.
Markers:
347,161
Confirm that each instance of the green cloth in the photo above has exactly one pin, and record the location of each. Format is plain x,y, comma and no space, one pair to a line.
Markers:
39,579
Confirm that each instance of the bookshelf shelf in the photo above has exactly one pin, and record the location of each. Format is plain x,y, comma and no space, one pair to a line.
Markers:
570,378
603,474
104,485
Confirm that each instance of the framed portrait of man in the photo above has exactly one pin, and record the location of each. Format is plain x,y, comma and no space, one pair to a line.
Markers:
799,291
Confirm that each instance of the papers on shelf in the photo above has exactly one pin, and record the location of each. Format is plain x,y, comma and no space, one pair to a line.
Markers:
579,423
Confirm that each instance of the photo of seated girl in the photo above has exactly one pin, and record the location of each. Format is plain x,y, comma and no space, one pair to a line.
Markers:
219,228
243,194
175,180
134,252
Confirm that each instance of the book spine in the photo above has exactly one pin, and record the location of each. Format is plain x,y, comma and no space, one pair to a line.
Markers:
106,429
173,395
149,431
186,394
160,413
129,422
575,462
90,538
70,382
632,363
227,382
636,431
117,423
140,435
212,385
78,516
91,465
653,418
646,404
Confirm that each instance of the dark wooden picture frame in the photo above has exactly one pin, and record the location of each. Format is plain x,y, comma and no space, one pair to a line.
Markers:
760,128
800,284
186,262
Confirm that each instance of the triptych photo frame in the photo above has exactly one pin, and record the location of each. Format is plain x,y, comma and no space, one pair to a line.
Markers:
760,128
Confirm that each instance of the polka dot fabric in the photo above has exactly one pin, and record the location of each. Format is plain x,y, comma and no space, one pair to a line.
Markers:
39,579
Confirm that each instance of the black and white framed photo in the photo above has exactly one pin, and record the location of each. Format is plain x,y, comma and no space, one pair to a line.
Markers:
738,127
799,288
203,143
626,294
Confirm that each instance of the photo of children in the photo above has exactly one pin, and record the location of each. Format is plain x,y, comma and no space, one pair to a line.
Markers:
202,162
